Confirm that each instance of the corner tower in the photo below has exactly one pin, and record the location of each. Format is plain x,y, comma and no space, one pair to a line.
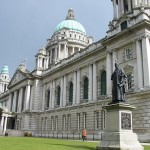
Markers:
4,79
127,13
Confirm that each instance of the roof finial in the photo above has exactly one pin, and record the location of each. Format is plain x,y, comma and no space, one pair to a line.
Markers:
70,15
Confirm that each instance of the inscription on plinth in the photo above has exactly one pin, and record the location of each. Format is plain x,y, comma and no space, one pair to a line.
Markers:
126,121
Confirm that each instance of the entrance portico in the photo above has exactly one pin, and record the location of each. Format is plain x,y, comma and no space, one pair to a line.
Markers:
4,114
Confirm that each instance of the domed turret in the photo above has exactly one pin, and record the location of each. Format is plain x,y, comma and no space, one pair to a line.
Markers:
5,70
70,23
69,37
4,79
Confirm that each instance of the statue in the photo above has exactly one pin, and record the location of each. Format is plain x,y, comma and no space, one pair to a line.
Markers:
118,85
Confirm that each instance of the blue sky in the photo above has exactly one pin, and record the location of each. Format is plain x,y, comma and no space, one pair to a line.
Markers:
25,25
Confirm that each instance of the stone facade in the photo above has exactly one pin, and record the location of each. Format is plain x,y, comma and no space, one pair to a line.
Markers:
72,78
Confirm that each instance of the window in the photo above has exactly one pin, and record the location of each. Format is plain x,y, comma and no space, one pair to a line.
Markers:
84,120
58,96
53,55
69,122
96,120
48,99
43,63
56,122
85,88
71,93
64,122
52,118
129,81
124,25
103,83
103,119
45,123
127,53
78,121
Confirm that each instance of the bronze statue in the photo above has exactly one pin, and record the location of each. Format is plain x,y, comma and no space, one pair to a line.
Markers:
118,85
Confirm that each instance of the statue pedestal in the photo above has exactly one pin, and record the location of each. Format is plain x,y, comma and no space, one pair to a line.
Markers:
118,134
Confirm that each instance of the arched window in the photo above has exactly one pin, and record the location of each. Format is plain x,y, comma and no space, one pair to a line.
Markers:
58,96
103,83
85,88
71,92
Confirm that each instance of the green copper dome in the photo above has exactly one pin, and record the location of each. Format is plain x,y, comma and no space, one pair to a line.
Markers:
5,70
71,25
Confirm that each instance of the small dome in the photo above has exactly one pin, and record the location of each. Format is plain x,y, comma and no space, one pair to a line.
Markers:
5,70
71,25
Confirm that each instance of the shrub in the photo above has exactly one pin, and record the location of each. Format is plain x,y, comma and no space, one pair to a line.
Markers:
28,134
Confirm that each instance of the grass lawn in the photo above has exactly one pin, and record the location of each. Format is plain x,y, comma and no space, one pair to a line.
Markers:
25,143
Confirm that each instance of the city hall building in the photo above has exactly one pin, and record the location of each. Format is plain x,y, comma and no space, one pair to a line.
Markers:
71,82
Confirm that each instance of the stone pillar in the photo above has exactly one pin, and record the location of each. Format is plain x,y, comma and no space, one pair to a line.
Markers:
74,87
146,60
119,9
20,99
61,92
115,9
59,51
9,103
53,93
14,101
122,7
64,91
94,82
2,125
78,86
139,64
5,125
43,103
73,50
90,96
65,49
129,5
108,73
114,58
27,100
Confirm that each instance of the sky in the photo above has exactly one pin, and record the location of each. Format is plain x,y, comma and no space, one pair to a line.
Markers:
25,25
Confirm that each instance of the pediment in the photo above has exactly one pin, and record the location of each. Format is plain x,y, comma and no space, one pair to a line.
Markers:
17,77
128,68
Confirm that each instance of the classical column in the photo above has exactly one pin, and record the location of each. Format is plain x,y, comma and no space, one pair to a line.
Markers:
114,58
27,100
78,87
65,50
73,50
20,99
64,91
115,9
14,101
43,103
148,2
90,96
5,125
53,93
74,87
146,59
94,82
108,72
139,64
2,124
9,103
129,5
59,51
61,93
119,9
122,6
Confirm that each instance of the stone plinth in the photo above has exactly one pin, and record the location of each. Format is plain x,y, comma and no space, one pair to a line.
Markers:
118,134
